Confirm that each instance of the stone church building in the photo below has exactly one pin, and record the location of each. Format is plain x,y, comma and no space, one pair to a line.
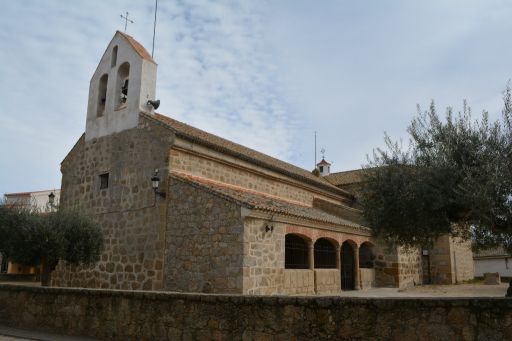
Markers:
185,210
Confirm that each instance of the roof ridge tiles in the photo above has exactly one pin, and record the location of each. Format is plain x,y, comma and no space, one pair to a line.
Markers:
138,47
213,141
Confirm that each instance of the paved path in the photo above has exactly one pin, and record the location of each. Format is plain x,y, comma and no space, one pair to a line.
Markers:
11,338
456,290
12,334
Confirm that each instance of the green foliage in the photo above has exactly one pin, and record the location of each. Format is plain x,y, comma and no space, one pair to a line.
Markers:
14,221
455,177
83,237
31,238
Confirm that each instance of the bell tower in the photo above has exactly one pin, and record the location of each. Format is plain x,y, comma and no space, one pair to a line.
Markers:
120,88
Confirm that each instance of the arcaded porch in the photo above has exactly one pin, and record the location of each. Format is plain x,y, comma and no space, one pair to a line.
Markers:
327,262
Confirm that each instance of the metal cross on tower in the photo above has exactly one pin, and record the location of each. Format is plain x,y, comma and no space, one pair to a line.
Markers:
126,20
323,153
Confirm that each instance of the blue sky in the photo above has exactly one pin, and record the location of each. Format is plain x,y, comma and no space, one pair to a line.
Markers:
266,74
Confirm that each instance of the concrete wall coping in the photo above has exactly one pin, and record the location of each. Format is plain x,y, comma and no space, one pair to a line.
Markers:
322,301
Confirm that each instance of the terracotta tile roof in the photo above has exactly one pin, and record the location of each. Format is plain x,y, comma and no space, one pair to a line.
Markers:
137,47
323,162
345,178
497,252
261,201
220,144
20,194
29,193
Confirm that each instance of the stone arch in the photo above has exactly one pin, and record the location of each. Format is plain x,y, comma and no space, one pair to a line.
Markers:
348,266
366,255
325,254
123,75
296,252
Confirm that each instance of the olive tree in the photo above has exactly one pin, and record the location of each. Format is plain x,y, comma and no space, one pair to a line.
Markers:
42,239
454,177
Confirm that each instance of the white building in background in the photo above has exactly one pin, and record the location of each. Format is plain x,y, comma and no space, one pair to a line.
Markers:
40,200
494,260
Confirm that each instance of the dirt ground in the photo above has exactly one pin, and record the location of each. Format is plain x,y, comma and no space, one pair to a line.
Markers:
455,290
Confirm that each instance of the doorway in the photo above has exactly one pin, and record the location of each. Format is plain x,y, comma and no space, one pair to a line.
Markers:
347,267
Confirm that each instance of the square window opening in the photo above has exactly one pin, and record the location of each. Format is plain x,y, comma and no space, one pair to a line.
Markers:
104,181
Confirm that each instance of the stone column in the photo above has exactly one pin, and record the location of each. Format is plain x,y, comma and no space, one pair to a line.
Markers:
311,248
357,279
338,257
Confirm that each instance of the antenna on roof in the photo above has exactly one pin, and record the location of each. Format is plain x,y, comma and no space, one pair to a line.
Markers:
154,29
315,150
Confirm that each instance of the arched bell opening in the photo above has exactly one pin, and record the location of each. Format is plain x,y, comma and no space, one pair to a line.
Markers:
123,75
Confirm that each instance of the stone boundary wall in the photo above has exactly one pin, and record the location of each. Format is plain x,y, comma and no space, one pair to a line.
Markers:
139,315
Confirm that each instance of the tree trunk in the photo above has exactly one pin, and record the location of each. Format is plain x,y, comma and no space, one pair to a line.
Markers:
46,273
509,290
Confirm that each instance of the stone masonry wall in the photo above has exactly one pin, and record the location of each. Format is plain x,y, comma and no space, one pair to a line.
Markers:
131,219
441,261
132,315
299,282
463,266
204,241
410,270
346,212
327,281
210,168
263,263
386,265
367,278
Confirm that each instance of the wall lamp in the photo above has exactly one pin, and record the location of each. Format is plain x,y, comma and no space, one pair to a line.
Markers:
155,182
51,198
269,227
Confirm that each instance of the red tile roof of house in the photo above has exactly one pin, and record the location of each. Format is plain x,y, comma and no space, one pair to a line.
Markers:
19,194
497,252
346,178
323,162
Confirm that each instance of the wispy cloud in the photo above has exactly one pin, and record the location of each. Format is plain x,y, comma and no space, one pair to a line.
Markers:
217,74
265,74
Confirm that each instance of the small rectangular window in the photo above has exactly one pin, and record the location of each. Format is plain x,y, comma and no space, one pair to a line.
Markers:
104,181
114,57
